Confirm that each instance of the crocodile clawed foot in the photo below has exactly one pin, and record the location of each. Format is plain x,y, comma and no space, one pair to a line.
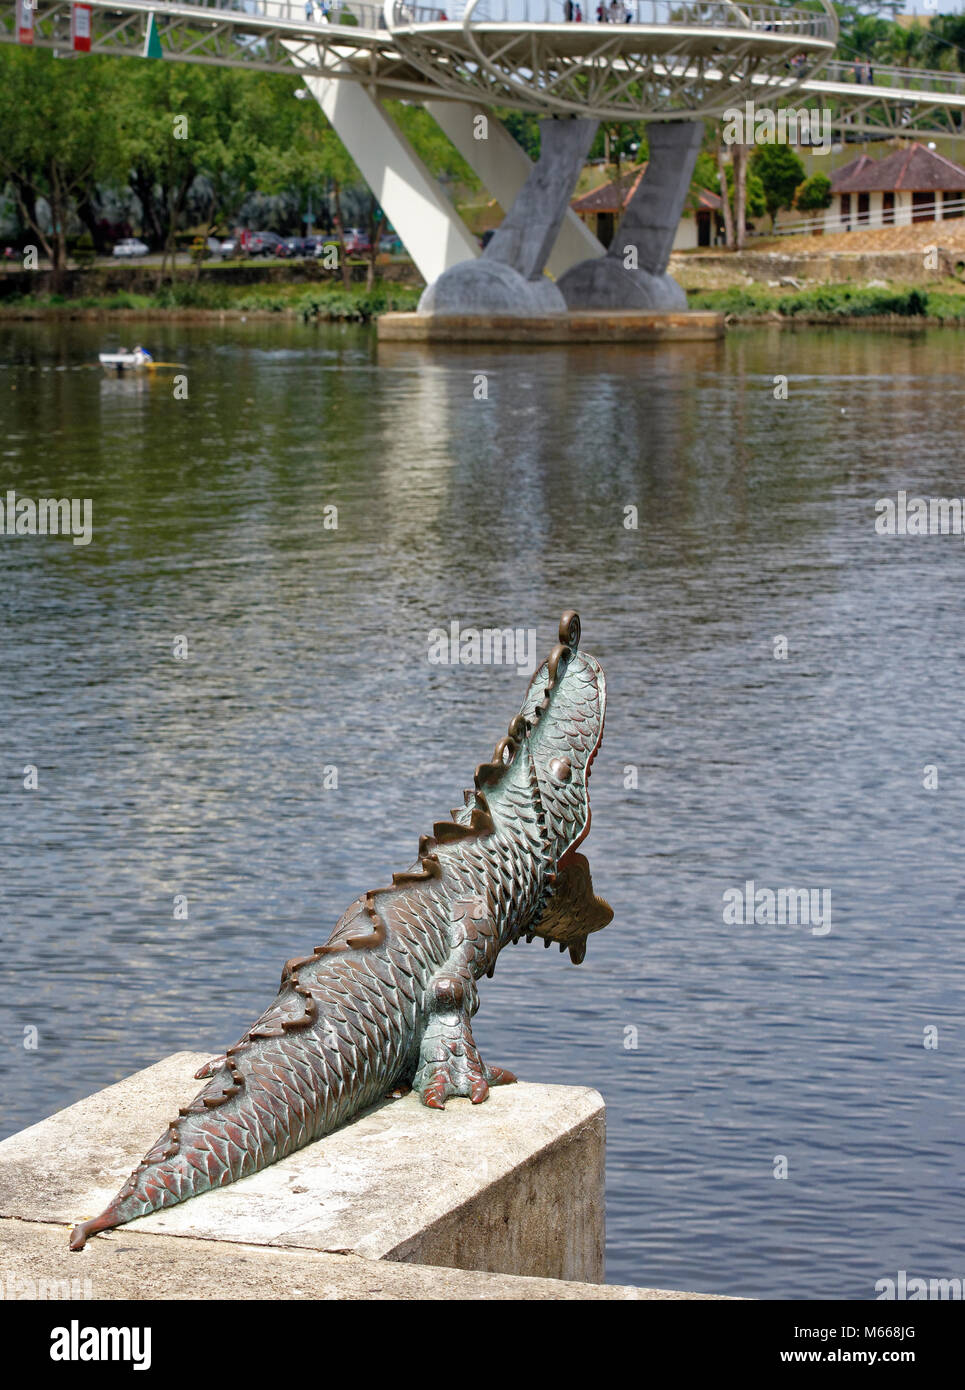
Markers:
459,1076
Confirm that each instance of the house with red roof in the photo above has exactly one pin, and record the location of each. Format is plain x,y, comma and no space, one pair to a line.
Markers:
911,185
602,208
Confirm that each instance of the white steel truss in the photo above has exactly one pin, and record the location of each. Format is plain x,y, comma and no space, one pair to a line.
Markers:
685,60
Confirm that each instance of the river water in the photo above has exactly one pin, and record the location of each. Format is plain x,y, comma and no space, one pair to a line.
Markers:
721,1049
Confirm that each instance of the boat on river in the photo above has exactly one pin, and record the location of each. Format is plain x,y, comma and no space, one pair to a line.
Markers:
127,360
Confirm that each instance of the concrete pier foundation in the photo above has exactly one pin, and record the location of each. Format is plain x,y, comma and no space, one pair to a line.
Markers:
503,166
632,274
508,277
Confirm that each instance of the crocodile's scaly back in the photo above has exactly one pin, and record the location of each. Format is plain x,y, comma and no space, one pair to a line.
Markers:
387,1001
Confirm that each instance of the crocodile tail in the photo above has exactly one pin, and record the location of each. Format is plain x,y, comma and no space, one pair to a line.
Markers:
269,1097
162,1178
321,1053
232,1128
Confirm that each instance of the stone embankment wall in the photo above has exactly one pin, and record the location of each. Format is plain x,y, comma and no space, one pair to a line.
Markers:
721,270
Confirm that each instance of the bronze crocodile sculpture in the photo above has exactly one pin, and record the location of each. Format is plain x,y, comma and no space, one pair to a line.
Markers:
387,1001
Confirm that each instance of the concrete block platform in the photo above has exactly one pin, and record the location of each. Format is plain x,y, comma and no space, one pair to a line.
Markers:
580,326
504,1199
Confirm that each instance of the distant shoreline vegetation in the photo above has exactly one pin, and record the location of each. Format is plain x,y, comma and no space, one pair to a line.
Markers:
837,303
333,302
753,304
322,302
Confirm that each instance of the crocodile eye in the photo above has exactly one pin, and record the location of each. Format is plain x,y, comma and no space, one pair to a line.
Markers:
570,629
560,769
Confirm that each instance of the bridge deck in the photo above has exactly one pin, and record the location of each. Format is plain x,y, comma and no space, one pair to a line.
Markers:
689,58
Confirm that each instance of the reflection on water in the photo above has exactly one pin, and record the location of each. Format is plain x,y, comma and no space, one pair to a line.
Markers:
307,648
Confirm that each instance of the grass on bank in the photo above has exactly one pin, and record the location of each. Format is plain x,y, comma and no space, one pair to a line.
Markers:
836,302
329,301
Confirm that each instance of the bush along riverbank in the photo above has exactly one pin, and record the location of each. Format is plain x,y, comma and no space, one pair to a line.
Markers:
944,304
330,302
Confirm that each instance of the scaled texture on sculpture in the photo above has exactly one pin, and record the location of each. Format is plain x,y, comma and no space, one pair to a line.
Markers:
387,1001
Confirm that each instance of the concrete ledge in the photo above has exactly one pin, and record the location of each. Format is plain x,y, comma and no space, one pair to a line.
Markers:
498,1201
581,326
36,1264
515,1185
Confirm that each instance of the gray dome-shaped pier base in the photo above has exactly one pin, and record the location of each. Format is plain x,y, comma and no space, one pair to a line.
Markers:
604,283
490,287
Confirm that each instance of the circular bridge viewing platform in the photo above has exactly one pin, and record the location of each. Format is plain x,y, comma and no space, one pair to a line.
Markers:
633,59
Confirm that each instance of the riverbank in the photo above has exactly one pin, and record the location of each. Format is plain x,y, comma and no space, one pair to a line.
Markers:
870,305
875,305
202,299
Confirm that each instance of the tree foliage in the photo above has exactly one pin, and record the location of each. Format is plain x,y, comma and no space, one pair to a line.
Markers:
781,174
814,194
56,143
179,144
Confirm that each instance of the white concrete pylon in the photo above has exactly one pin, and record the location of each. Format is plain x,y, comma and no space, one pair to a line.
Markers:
502,167
431,230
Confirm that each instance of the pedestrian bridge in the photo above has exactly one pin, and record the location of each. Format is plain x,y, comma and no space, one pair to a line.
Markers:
631,60
672,65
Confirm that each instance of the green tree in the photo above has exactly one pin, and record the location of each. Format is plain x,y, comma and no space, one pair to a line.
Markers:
943,42
814,194
523,126
300,152
56,143
436,151
709,173
781,174
755,200
177,122
705,173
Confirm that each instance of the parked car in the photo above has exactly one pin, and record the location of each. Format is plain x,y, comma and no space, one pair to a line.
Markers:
230,247
391,244
292,246
357,243
263,243
130,246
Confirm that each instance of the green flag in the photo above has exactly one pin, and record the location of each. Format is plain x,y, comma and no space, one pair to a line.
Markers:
152,43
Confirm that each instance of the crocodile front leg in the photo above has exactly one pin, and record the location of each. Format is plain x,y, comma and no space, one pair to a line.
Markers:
449,1064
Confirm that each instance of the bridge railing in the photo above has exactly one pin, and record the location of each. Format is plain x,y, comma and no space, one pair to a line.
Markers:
716,14
863,74
350,14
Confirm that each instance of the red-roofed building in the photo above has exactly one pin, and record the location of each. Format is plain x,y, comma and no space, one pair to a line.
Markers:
602,208
911,185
